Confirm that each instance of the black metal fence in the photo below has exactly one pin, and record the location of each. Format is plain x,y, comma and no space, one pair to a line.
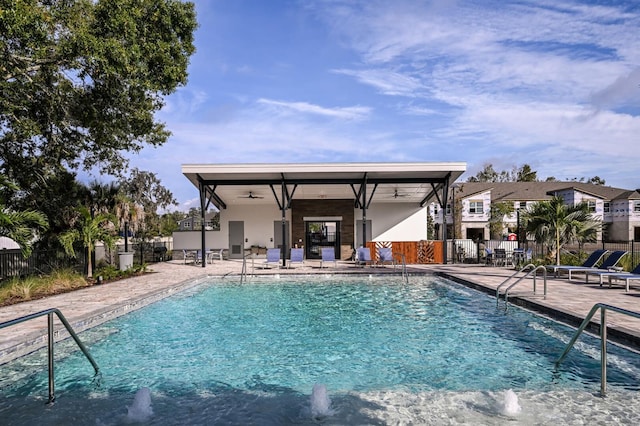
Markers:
469,251
14,264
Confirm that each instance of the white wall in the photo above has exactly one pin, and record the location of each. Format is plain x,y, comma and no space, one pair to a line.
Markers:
258,223
396,222
192,240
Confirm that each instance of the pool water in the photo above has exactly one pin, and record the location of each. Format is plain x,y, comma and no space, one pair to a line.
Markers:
427,352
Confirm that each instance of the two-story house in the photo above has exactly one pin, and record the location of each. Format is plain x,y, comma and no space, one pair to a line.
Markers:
618,209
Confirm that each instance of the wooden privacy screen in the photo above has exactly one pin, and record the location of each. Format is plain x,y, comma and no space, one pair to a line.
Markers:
416,252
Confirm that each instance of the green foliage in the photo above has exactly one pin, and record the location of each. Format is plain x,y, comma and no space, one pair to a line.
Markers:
496,220
80,83
489,174
23,227
555,223
110,272
90,229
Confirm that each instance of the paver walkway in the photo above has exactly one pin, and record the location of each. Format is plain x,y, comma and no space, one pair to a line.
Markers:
93,305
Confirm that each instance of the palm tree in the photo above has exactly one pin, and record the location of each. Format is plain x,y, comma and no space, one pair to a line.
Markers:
555,223
90,229
129,215
22,227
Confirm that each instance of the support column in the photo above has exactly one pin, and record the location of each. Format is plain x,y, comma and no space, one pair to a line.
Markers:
445,198
203,207
364,211
283,208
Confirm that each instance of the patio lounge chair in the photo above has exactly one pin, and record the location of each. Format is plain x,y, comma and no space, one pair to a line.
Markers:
634,275
608,265
385,255
328,255
273,257
591,262
297,256
363,256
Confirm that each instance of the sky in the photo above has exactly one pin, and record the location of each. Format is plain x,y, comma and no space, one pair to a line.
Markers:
550,83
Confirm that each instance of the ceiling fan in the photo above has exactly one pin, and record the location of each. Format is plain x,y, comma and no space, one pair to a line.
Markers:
396,194
251,196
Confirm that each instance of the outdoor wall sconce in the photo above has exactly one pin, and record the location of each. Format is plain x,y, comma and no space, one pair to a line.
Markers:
271,239
246,240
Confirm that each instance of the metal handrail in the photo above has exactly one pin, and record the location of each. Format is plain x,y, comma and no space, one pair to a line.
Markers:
508,279
536,268
243,272
405,276
505,282
603,338
50,332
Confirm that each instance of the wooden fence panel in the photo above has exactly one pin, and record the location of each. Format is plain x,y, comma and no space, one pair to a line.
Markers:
415,252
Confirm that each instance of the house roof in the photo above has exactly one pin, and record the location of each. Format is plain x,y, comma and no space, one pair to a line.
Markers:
537,191
257,183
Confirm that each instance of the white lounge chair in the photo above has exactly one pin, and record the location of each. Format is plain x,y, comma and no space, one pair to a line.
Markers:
634,275
591,262
608,265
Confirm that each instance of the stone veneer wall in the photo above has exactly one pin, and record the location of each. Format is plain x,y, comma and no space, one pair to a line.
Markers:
319,208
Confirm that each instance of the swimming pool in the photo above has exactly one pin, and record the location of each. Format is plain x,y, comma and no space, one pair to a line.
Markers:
427,352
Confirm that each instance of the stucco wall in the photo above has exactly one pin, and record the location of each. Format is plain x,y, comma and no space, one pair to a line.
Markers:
396,222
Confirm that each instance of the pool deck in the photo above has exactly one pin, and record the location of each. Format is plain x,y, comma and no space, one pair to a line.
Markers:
566,301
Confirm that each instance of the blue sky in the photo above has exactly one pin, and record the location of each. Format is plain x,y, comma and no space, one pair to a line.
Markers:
551,83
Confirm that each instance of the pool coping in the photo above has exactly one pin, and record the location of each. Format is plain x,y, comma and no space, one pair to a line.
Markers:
37,340
630,339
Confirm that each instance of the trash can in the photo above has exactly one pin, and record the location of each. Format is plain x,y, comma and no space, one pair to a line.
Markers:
126,260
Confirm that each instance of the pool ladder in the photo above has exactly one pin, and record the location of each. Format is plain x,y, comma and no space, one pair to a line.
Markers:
603,338
405,275
50,332
533,269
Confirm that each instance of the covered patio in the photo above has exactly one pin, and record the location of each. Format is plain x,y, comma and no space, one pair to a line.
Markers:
343,205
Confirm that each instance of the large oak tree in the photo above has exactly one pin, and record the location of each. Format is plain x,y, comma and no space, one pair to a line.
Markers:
81,80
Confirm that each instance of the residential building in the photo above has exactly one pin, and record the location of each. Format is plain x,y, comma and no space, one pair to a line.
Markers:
618,209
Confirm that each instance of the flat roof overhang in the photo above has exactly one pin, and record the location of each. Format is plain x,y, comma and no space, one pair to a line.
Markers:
257,183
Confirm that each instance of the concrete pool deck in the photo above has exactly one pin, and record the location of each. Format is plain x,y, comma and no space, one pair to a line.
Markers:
567,301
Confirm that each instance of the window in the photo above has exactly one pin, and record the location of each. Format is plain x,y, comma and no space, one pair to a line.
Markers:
475,206
187,224
636,206
591,205
523,205
606,207
448,209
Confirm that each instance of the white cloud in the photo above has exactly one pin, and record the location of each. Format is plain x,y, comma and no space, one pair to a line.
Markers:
348,113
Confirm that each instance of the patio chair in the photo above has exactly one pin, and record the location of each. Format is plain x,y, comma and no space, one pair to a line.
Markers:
500,257
634,275
328,255
273,257
363,256
385,255
488,258
188,254
591,262
297,256
608,265
613,271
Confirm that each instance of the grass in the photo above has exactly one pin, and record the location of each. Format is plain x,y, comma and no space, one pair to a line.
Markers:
16,290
